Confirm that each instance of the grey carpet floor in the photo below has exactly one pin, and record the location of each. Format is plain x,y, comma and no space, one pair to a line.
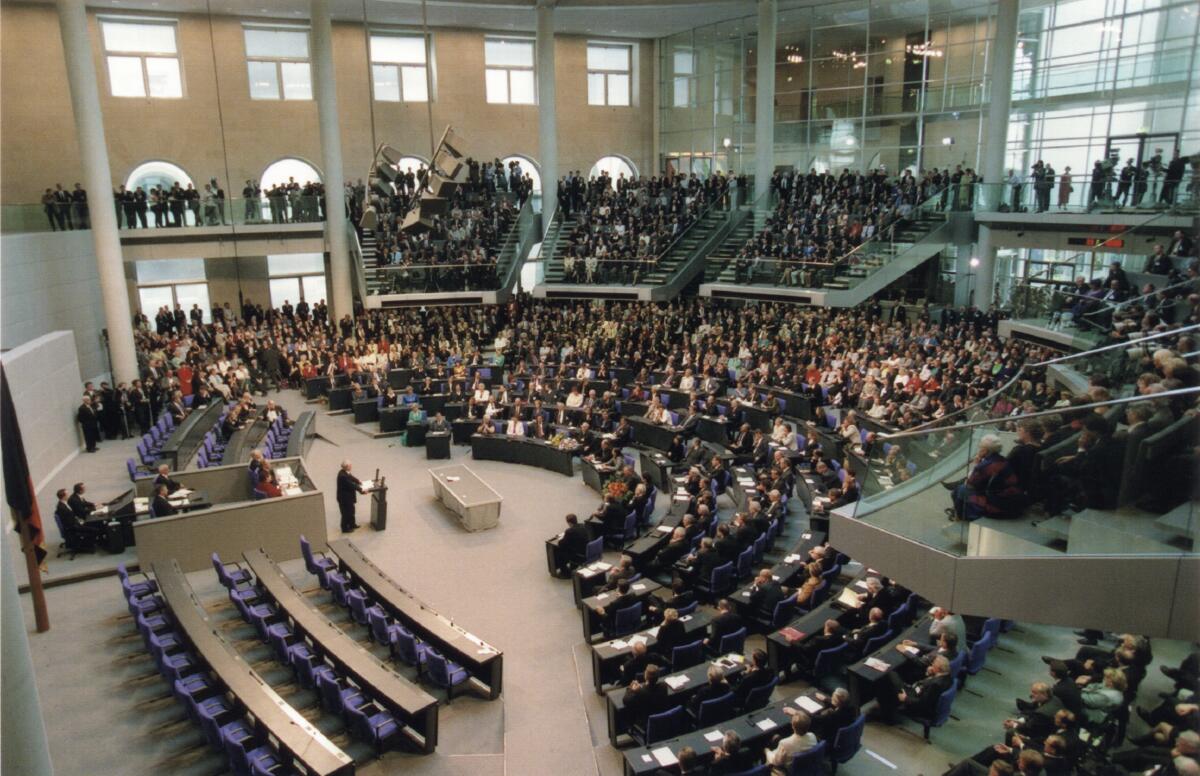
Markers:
108,712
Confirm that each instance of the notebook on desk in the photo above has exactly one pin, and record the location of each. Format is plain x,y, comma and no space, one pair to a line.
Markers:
848,599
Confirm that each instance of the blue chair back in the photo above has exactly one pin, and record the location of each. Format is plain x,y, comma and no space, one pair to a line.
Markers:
631,529
593,550
687,655
406,646
897,618
809,763
785,610
848,740
379,624
627,620
877,642
715,710
956,665
722,578
684,611
992,625
666,724
760,696
758,770
978,654
733,642
945,702
306,551
828,660
744,561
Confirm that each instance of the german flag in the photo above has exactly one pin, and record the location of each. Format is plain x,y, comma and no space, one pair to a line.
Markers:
18,483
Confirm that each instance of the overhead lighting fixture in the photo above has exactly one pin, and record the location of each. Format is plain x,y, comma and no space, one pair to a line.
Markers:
974,262
849,141
947,141
925,49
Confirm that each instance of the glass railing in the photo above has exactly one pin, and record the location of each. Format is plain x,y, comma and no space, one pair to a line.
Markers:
914,225
1124,483
1085,194
179,215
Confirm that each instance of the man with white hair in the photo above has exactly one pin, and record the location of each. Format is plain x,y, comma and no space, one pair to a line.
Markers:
348,488
991,490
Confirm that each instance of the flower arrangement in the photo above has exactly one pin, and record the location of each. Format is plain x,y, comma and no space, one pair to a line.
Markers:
618,490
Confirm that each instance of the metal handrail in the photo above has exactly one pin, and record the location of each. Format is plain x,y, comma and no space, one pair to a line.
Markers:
1046,413
1118,345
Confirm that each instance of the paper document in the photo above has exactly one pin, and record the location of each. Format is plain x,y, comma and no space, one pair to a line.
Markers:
808,704
878,665
640,639
638,586
766,724
861,583
806,535
618,644
665,756
714,736
101,511
452,479
675,682
368,484
791,558
664,529
180,492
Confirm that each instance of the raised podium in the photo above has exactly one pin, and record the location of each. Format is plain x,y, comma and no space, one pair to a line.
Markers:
378,496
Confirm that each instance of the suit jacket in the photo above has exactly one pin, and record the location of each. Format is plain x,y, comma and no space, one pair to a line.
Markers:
923,696
162,507
722,625
67,517
670,635
646,700
574,540
673,552
707,692
727,547
172,485
635,666
750,680
80,506
704,564
829,720
347,487
859,637
763,598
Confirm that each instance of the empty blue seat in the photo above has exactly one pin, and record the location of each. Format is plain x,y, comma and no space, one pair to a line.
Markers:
339,586
659,727
316,564
759,696
373,724
732,642
377,619
594,550
624,621
229,578
406,646
846,742
443,673
336,695
303,661
212,714
715,710
357,599
687,655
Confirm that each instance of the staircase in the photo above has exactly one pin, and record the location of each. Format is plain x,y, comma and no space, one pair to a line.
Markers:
553,246
719,267
368,246
877,254
685,247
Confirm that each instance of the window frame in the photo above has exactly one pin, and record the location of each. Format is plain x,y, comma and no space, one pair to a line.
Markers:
508,70
608,74
142,56
278,62
398,67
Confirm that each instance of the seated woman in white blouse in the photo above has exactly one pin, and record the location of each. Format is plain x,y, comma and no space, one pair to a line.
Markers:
575,398
481,393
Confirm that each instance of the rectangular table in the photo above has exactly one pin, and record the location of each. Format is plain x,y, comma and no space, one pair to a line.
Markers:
786,572
652,434
411,705
464,494
523,450
297,737
481,660
392,419
863,680
592,622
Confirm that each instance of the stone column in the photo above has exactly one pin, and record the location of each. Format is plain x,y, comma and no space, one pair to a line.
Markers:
764,101
547,110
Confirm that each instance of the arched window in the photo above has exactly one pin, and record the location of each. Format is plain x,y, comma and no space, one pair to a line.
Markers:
615,166
157,173
528,167
297,206
287,169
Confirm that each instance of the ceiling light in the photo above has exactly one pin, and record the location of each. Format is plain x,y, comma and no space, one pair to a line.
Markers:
947,141
974,262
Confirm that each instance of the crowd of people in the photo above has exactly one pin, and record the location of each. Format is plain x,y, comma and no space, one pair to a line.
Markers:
622,227
457,251
821,217
178,205
1154,183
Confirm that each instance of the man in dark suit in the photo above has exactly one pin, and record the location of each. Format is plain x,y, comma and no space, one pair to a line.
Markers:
757,675
805,651
572,545
725,545
159,505
164,478
674,551
89,421
611,516
919,698
765,593
646,696
723,624
89,535
858,638
625,599
640,656
80,506
761,454
176,408
731,756
841,712
621,571
714,688
743,442
439,424
348,488
703,562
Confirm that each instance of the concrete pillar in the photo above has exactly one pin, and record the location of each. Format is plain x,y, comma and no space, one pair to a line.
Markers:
547,110
764,103
25,749
1000,69
97,177
325,89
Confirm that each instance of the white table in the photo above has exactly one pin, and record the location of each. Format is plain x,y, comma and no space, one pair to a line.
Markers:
464,494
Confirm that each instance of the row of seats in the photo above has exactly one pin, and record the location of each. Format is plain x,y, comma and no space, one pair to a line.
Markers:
276,441
402,644
224,723
338,695
149,446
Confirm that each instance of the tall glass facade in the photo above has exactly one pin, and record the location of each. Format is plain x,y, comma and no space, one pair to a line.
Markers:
879,83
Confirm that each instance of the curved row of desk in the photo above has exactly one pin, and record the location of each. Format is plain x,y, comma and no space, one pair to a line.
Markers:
297,738
524,450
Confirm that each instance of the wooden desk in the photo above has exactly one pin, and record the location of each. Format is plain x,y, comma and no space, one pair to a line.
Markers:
412,706
482,661
863,680
464,494
592,625
187,437
297,737
693,679
787,572
607,656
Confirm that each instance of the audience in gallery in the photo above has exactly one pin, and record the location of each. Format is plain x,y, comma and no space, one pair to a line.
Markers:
457,251
621,228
